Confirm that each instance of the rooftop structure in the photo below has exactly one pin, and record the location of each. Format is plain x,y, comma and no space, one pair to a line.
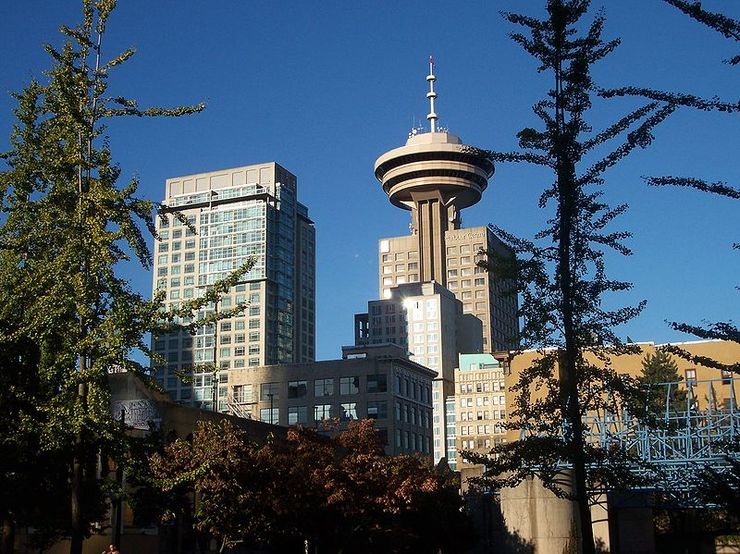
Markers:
434,175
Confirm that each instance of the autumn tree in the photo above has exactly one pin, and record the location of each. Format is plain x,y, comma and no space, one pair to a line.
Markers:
337,492
561,273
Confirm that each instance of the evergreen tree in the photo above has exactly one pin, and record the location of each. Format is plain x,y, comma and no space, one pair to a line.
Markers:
659,368
561,274
66,317
659,381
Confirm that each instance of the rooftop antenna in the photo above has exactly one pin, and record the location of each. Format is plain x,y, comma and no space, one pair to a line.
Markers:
432,117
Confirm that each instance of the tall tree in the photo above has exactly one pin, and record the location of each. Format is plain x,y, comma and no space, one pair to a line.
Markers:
66,227
561,274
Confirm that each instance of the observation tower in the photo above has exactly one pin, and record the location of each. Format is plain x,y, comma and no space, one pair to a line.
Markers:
435,176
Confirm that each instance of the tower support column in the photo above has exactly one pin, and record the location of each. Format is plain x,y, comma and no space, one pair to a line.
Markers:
432,216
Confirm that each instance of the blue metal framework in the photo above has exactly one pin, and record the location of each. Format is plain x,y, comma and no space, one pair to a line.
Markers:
695,429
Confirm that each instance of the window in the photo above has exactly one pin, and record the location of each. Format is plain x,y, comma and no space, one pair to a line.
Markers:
297,414
270,415
691,377
726,376
323,387
349,411
377,383
377,409
349,385
296,389
269,391
321,411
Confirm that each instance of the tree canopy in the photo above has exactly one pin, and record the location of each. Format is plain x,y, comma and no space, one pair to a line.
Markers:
338,492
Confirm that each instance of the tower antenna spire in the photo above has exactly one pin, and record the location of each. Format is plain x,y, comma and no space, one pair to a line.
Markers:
432,116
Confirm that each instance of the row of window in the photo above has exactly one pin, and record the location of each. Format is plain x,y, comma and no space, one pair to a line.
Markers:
399,256
409,440
481,415
465,260
325,387
376,409
471,444
412,389
464,249
483,401
484,386
466,283
413,415
497,428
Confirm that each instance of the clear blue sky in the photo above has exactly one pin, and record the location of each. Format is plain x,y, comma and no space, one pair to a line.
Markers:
324,88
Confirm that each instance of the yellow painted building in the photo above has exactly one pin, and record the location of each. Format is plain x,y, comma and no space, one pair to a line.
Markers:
710,388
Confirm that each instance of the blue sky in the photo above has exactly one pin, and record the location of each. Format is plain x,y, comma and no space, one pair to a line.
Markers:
324,88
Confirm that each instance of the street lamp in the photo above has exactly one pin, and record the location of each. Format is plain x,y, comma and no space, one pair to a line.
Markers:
270,395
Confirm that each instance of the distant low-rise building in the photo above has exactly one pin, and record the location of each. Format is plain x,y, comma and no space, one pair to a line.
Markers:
480,408
370,381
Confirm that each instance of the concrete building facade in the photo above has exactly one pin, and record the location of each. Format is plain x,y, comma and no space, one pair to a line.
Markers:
464,274
372,381
427,320
234,215
480,409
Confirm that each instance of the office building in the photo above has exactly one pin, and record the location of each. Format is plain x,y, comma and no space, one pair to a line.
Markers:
370,381
231,216
480,409
428,321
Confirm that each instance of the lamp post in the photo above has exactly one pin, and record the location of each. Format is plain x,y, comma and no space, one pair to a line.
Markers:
270,396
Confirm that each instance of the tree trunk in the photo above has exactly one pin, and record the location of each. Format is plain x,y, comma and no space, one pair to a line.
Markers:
77,525
7,544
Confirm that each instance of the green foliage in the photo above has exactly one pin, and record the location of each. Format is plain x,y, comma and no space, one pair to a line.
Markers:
339,492
67,318
659,394
659,368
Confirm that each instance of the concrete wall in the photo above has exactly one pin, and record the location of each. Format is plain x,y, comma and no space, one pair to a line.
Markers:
538,517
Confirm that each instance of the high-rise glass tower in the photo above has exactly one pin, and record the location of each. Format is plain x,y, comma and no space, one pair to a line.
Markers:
234,215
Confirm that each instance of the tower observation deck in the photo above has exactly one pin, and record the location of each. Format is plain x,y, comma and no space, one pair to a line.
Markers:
434,175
